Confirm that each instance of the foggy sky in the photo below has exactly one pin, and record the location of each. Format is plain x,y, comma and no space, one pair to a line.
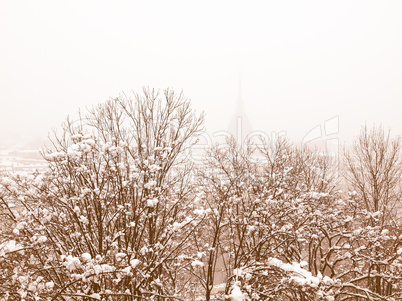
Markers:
302,62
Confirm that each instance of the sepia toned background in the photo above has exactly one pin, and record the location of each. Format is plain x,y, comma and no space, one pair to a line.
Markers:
300,63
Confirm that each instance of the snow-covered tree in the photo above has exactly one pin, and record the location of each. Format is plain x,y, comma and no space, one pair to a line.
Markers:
374,169
111,216
259,221
373,172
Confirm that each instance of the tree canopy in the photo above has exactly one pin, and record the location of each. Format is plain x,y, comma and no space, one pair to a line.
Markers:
121,213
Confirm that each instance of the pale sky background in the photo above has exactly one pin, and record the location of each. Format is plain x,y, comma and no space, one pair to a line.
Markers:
302,62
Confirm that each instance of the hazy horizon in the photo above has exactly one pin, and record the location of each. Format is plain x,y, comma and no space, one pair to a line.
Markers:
303,64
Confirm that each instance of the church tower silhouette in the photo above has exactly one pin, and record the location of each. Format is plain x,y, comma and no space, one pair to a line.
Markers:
240,125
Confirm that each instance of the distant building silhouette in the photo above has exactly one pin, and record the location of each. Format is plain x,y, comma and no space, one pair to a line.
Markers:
240,125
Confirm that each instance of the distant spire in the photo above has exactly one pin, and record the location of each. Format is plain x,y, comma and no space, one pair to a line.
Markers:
240,125
240,104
